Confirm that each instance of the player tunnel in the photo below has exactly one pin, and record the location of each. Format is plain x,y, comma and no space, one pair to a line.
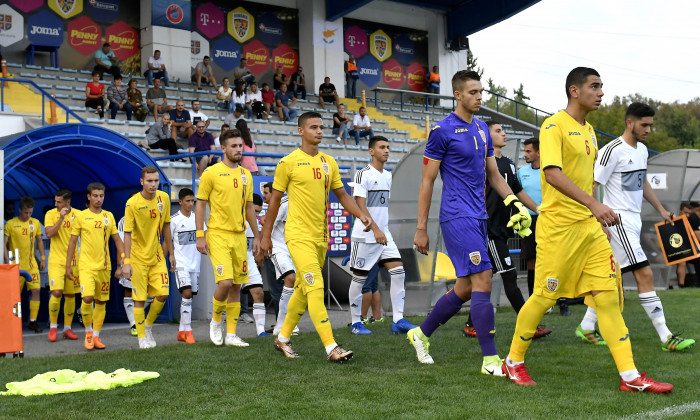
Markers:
39,162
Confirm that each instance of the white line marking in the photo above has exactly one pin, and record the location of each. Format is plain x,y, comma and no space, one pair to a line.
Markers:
675,410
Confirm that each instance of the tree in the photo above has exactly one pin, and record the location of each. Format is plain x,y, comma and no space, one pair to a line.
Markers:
472,63
520,94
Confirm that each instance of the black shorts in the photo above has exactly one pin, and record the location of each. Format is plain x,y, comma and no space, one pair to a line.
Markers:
328,98
500,255
528,244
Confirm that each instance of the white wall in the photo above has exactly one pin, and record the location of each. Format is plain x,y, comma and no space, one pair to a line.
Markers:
174,45
11,124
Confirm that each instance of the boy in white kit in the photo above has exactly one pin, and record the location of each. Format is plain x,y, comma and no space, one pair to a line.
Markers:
188,261
255,283
371,190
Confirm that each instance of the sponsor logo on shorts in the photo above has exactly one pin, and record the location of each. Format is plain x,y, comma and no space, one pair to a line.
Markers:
309,277
552,284
360,262
51,282
475,257
507,260
676,240
220,270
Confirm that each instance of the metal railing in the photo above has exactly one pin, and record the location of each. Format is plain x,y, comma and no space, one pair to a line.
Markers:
402,92
44,94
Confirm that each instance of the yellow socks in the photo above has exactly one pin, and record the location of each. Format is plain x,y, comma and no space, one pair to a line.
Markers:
530,315
140,320
86,310
219,306
233,310
34,309
156,307
319,316
295,309
68,311
54,307
98,317
614,330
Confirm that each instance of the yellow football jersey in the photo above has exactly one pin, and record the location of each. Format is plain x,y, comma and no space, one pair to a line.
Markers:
94,230
59,242
308,180
566,144
144,219
227,190
22,236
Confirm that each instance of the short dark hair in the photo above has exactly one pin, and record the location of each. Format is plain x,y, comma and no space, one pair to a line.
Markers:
225,125
307,115
238,108
534,141
95,186
268,185
685,205
638,110
95,73
265,84
491,123
230,134
150,169
64,194
462,76
26,203
206,57
154,52
577,77
184,193
194,100
117,77
375,139
257,199
694,205
106,44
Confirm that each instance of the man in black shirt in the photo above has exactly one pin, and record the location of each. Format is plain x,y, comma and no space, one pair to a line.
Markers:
327,93
498,232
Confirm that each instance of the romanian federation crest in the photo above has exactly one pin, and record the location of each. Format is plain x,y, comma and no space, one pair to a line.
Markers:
325,167
475,257
244,179
552,284
220,270
161,207
309,277
483,135
66,6
241,25
360,263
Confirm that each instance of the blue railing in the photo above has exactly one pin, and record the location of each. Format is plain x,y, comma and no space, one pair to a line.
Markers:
44,94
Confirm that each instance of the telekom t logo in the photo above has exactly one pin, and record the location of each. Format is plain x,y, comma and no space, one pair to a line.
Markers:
204,18
351,40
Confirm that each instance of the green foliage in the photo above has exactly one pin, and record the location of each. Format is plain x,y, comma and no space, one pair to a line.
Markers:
575,380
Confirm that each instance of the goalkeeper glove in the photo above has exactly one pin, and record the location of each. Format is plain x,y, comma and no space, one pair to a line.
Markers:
520,219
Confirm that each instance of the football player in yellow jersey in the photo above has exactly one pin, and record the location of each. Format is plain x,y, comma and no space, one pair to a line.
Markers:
146,218
57,224
308,176
228,189
94,227
23,233
574,256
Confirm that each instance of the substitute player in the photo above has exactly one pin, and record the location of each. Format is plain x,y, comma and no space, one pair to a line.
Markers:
461,149
255,282
94,226
146,218
574,255
371,190
621,167
22,235
57,224
125,283
228,189
308,176
188,260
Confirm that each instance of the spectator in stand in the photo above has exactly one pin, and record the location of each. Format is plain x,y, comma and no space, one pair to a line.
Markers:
298,82
224,128
202,141
255,102
247,162
106,61
327,93
157,100
362,127
198,115
158,136
433,79
156,69
239,97
692,212
135,99
285,101
204,73
340,124
232,119
94,94
180,122
118,99
351,76
279,79
224,96
242,74
268,97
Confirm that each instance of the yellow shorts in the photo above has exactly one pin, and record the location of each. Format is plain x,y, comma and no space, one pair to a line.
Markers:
95,283
308,258
58,281
228,253
36,279
150,280
573,260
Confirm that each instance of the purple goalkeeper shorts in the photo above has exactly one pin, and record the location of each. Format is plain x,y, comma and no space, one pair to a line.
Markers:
466,242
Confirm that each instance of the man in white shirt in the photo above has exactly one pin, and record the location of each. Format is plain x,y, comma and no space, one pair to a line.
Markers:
621,168
362,127
197,115
255,102
187,261
156,69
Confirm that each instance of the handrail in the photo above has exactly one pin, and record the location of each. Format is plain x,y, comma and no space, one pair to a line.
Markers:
44,94
401,92
220,153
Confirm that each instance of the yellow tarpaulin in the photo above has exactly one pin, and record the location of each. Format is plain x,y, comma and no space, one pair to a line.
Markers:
66,380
